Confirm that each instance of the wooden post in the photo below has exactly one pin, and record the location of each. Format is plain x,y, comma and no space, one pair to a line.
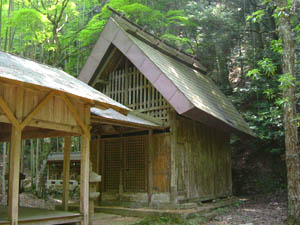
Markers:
14,173
84,171
150,166
32,162
3,171
65,197
22,161
98,162
172,119
121,184
38,143
14,161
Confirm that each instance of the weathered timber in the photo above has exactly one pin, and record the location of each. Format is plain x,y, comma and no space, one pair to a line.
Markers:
66,169
84,169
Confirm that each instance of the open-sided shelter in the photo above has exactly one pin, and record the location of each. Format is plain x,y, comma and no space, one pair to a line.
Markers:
188,161
40,101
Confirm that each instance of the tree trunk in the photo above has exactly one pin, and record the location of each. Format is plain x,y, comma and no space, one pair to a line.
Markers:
8,31
1,4
290,126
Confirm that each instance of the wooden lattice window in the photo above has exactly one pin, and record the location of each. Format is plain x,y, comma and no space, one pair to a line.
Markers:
135,153
131,88
133,158
112,164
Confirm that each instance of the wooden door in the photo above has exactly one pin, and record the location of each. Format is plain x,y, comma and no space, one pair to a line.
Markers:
135,156
112,164
127,166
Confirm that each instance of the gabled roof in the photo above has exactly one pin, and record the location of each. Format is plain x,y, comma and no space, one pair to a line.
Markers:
26,71
182,84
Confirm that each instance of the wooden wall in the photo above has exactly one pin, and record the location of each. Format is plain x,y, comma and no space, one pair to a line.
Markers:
203,160
202,164
53,115
161,162
160,169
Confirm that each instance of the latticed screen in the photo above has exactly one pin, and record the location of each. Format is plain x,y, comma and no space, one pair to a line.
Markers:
136,166
135,91
112,164
133,159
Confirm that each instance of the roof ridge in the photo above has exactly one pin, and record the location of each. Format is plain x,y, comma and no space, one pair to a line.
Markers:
192,58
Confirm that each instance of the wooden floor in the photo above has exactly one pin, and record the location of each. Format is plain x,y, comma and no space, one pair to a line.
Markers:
35,216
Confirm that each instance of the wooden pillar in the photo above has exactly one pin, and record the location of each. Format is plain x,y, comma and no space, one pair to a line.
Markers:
121,185
172,119
65,197
150,166
98,163
84,171
14,162
14,175
3,170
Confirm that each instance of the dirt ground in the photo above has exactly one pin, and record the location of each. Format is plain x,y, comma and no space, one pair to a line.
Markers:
268,209
109,219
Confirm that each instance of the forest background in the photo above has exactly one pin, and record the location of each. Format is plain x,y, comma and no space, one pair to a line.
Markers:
237,40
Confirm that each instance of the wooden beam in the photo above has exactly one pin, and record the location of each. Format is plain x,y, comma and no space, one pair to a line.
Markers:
65,197
55,126
84,170
14,171
104,65
105,82
37,109
84,128
9,113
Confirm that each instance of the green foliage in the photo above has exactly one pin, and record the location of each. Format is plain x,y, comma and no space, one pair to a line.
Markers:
276,46
286,81
256,16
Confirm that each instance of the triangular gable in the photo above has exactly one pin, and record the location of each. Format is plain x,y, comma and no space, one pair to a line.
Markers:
189,92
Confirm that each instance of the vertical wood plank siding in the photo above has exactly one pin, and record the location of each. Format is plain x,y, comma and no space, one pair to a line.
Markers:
203,160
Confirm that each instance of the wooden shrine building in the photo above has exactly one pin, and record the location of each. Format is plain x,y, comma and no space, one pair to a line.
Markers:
39,101
189,160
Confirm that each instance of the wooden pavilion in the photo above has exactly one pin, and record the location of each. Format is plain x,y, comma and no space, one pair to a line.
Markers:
39,101
188,161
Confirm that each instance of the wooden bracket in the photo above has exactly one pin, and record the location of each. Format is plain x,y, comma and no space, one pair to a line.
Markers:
13,119
36,110
9,113
84,128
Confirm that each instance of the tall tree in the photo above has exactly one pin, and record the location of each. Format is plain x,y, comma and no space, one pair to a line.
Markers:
285,13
